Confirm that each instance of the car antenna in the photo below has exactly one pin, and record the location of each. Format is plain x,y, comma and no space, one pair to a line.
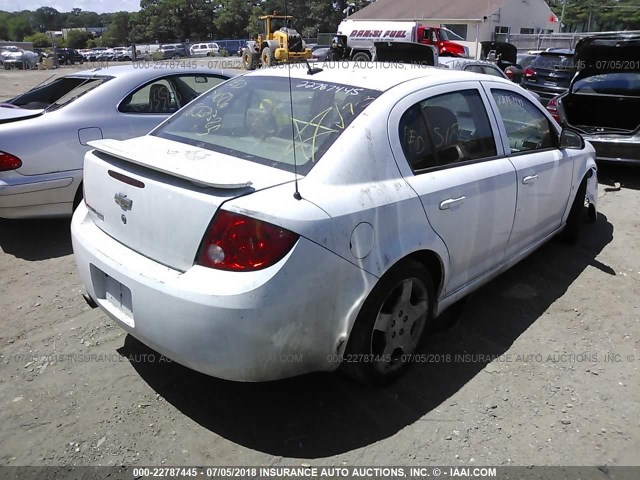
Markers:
296,193
312,71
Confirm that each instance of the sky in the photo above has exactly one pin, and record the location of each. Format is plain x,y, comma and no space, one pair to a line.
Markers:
99,6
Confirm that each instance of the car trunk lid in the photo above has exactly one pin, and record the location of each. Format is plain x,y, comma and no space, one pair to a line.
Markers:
157,196
604,97
11,114
607,54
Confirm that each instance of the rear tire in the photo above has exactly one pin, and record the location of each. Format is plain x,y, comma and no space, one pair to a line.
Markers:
390,324
361,57
577,215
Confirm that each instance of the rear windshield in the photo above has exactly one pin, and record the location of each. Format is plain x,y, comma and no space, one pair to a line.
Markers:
58,93
255,118
553,61
620,84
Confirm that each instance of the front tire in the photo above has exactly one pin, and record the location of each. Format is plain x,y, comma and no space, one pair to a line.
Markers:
266,58
390,325
249,61
577,215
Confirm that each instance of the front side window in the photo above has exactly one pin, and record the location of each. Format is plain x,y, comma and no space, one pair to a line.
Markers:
528,129
167,95
446,129
266,119
155,97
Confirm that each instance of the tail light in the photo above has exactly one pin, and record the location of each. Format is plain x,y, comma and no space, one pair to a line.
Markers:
529,72
239,243
9,162
509,73
552,107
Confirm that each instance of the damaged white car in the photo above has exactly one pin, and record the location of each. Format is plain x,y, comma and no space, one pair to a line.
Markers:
291,221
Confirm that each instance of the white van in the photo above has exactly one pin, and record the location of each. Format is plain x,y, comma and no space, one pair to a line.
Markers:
204,49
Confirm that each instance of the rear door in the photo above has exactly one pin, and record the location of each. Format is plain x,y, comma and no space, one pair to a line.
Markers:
544,172
447,148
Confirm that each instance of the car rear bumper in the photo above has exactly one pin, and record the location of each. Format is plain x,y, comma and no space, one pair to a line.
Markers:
279,322
615,149
31,196
546,93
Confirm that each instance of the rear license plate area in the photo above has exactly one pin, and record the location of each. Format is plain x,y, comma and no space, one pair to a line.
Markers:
113,296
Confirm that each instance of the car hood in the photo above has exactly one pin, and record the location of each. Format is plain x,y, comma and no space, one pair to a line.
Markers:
8,114
607,54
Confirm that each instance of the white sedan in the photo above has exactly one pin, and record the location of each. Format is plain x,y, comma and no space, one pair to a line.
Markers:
44,133
286,224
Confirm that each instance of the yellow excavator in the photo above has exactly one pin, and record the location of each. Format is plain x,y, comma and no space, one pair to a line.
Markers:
276,42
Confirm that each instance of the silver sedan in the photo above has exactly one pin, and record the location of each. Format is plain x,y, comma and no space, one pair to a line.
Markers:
44,132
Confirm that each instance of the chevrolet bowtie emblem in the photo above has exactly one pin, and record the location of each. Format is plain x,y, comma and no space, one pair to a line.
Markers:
122,200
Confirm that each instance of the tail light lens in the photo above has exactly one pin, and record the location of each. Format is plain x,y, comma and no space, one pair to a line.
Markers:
239,243
529,72
509,73
9,162
552,107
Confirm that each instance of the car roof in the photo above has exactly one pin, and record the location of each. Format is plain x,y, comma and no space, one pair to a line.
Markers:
373,75
557,51
463,61
133,72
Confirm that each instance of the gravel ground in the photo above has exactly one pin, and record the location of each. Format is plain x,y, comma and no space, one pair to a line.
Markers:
541,368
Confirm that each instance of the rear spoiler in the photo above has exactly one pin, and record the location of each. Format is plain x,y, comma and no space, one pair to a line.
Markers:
163,160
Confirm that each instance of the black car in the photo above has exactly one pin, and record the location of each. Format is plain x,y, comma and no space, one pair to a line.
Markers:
68,56
550,73
603,100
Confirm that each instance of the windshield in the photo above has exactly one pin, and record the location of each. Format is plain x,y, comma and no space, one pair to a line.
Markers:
278,23
58,93
625,84
448,35
255,118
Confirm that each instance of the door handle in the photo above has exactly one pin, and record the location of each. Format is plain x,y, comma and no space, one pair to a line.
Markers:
451,202
529,179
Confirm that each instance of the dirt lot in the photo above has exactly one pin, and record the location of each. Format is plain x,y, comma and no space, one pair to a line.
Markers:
541,368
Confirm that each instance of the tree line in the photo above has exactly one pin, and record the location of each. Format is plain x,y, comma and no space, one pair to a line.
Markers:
164,21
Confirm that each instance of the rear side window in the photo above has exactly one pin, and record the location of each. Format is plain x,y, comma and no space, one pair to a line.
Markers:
528,129
446,129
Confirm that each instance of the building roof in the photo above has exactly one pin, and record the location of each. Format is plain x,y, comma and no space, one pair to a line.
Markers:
429,10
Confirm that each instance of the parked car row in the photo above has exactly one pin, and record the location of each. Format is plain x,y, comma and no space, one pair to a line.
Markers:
16,57
227,201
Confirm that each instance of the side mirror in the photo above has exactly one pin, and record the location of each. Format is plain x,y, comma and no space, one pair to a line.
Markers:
571,139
